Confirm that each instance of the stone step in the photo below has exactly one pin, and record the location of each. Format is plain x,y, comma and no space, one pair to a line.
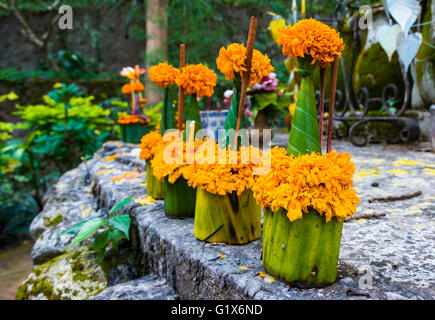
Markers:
149,287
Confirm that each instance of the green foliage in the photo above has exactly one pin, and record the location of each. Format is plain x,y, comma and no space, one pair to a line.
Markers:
273,104
65,127
115,229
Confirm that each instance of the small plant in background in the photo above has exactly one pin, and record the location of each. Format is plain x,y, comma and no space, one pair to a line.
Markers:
115,229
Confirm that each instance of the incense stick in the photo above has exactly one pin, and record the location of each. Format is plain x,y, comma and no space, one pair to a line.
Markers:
322,102
246,75
180,91
334,73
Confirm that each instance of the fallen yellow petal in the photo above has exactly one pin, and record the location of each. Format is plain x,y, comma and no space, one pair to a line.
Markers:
222,256
243,268
111,158
144,201
398,171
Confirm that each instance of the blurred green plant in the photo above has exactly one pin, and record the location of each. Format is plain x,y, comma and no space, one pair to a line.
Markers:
115,229
67,128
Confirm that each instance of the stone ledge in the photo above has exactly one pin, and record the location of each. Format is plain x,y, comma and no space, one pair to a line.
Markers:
397,248
195,270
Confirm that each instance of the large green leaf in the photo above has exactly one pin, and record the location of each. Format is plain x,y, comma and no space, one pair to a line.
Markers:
122,223
74,229
86,230
114,237
266,99
304,135
168,115
101,241
233,112
119,205
191,113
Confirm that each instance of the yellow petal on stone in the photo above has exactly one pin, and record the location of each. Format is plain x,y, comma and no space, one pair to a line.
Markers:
222,256
269,279
145,201
261,274
86,212
243,268
398,171
429,172
111,158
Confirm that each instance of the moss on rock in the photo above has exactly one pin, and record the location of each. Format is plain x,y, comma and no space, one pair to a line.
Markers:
54,221
74,275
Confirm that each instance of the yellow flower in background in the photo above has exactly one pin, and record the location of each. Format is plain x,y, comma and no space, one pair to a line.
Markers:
231,62
312,181
292,109
313,38
163,75
197,79
57,85
275,26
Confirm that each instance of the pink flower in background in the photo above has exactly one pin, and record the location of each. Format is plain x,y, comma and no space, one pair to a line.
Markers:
268,83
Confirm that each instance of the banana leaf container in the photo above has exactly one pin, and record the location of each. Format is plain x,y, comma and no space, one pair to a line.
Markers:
304,252
230,219
180,199
155,187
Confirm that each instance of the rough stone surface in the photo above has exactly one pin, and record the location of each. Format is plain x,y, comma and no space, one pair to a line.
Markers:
76,275
397,249
146,288
69,202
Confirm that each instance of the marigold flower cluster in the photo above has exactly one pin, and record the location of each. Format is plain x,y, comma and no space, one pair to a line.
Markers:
231,61
136,86
150,145
163,75
311,37
126,119
197,79
320,182
161,167
222,179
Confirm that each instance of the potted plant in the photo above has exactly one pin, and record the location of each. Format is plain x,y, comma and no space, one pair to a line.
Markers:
226,211
134,124
197,81
307,195
163,75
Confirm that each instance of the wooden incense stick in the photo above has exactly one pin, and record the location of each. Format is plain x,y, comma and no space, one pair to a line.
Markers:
247,74
180,91
322,102
333,84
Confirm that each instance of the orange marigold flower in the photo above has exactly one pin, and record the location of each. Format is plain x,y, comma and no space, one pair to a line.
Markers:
313,181
161,167
126,89
231,62
197,79
164,75
126,119
149,145
224,178
313,38
138,86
